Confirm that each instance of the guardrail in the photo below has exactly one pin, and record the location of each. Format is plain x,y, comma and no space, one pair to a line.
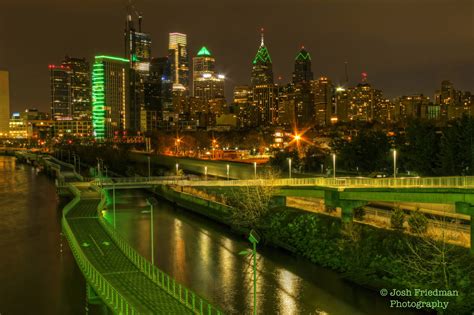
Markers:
101,286
185,296
429,182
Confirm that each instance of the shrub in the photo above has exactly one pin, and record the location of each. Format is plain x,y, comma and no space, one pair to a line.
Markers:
359,213
397,219
418,222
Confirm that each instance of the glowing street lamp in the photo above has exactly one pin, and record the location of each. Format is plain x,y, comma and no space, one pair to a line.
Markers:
205,172
228,168
255,169
177,168
334,165
394,163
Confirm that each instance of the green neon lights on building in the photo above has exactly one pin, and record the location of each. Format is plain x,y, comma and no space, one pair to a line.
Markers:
262,56
111,58
98,99
204,52
303,55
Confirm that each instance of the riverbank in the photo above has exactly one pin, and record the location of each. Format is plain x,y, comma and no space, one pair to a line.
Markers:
369,256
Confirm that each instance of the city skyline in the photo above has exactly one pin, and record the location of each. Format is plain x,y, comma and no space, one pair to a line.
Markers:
366,48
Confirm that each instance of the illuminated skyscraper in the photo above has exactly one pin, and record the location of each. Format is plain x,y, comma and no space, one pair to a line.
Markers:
366,103
60,82
323,101
207,85
262,72
138,52
303,72
110,96
178,54
80,85
4,103
264,92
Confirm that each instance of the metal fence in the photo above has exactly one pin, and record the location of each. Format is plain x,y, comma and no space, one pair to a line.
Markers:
185,296
343,182
102,287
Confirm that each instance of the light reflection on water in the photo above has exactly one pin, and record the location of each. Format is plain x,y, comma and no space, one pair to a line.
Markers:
204,257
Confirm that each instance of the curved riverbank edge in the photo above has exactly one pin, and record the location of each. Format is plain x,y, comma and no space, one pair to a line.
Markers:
371,257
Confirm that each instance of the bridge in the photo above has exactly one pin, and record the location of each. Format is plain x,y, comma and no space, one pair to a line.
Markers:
116,274
344,193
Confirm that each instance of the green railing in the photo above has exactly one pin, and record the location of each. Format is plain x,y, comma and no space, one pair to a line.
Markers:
101,286
185,296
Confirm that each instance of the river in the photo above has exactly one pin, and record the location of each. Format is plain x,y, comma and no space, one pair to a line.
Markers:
37,277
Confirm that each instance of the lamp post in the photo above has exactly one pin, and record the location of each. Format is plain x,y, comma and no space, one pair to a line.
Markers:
254,238
105,166
150,202
74,159
149,168
228,169
113,202
205,172
98,167
394,163
255,169
177,169
334,165
289,167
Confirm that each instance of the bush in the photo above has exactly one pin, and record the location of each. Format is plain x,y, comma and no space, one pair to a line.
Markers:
359,213
418,222
397,219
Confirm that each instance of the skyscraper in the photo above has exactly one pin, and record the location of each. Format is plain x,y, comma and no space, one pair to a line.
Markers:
138,52
301,91
303,72
208,86
80,85
264,92
4,103
323,103
110,96
60,82
262,72
158,89
178,54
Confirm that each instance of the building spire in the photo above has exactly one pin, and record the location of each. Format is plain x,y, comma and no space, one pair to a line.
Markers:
262,35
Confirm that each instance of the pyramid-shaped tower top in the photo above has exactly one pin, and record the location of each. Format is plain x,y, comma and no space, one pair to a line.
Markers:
303,55
204,52
262,55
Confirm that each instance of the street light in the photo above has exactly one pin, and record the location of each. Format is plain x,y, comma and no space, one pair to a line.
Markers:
289,167
177,169
334,165
254,238
149,168
151,202
228,168
255,169
394,163
113,201
205,172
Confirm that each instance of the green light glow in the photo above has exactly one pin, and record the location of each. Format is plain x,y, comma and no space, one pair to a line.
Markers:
98,99
303,55
262,55
112,58
204,52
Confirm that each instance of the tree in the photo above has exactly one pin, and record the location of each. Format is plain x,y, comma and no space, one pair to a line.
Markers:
435,261
418,222
397,219
280,160
251,203
420,151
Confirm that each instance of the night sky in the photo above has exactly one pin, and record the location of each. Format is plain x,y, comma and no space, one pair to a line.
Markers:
405,46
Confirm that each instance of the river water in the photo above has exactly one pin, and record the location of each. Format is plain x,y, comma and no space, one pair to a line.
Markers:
36,277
